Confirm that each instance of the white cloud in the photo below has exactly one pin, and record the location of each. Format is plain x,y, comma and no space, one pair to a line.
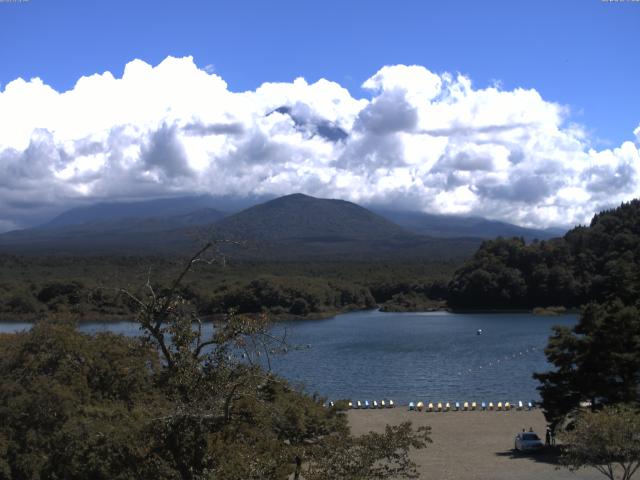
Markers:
424,141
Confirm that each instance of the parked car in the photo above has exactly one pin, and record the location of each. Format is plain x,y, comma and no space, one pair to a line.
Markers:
528,442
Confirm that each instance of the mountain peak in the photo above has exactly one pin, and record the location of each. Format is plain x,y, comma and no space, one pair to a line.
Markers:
302,216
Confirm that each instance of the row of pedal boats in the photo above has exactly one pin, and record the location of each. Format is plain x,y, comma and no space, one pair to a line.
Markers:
369,404
466,406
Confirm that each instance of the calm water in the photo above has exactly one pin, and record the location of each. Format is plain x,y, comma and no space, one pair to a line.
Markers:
409,356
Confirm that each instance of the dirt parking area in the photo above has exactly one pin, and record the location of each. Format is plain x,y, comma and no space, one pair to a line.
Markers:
473,445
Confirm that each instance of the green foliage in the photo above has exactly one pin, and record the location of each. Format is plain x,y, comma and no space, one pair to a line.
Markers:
369,457
597,361
596,263
90,287
606,440
73,406
173,404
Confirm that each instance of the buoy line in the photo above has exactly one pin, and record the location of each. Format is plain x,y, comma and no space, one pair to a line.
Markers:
499,361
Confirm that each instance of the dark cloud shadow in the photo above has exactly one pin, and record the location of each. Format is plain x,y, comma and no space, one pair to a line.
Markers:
199,129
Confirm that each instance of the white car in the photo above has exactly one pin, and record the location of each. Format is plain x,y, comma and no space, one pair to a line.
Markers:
528,442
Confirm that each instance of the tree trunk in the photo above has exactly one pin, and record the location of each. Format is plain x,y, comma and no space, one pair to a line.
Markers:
296,475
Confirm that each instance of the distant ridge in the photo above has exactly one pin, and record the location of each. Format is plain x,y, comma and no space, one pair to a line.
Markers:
291,226
448,226
157,208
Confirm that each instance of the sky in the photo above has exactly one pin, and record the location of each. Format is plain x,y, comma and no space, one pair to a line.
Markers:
527,112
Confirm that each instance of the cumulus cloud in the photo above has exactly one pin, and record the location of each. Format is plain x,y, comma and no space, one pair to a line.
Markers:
421,140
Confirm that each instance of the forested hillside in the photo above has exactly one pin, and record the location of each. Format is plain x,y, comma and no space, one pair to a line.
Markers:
89,287
595,263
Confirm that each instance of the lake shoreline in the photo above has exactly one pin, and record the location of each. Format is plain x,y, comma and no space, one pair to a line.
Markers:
279,318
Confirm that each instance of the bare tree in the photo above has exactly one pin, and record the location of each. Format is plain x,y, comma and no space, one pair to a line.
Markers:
208,375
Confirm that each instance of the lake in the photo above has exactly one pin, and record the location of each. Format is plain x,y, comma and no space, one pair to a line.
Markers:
435,356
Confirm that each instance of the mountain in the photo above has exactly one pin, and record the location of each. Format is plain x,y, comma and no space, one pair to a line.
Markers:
292,226
305,218
129,235
298,225
447,226
295,225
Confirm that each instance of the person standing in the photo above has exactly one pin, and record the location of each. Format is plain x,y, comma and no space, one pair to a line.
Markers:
547,438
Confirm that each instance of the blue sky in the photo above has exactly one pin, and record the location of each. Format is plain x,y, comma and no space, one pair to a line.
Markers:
580,53
521,111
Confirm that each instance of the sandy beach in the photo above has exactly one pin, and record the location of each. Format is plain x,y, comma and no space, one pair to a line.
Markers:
472,445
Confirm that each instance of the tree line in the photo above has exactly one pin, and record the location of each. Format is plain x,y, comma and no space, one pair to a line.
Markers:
89,288
599,262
